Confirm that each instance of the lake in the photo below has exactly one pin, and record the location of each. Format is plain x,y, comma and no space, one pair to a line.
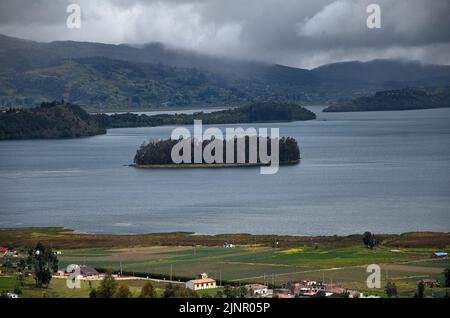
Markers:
387,172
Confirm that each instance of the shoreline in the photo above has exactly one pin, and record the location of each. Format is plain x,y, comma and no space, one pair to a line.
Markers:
156,109
209,165
61,237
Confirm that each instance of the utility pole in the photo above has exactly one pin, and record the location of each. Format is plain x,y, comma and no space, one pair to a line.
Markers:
170,271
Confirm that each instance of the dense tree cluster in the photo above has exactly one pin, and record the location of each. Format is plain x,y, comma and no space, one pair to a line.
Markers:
43,262
391,290
402,99
369,240
51,120
160,152
177,291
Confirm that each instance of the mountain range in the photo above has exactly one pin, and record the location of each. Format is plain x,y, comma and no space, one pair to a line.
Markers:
105,76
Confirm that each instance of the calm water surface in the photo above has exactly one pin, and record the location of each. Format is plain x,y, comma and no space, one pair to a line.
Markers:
381,171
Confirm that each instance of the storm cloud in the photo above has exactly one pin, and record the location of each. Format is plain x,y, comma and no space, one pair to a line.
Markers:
304,33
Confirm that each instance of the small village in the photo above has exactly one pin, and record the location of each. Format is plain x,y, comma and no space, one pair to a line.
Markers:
11,260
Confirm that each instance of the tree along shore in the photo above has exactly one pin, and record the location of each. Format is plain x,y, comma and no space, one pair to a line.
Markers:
160,153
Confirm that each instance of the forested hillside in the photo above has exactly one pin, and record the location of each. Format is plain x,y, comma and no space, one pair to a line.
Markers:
51,120
403,99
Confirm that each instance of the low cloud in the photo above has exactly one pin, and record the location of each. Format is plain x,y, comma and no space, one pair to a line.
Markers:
304,33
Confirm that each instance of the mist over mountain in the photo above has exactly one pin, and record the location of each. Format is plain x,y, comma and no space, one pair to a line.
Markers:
102,76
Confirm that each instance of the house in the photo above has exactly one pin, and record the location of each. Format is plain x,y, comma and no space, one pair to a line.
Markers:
257,289
201,283
3,251
431,282
228,245
85,272
439,254
89,272
60,273
306,287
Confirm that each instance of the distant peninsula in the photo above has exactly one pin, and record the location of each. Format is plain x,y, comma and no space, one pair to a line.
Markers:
63,120
403,99
255,113
49,121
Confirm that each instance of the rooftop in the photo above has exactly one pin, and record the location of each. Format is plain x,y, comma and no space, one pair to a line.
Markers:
256,286
88,271
440,253
203,280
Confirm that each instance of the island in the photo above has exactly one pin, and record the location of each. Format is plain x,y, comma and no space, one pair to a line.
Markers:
158,153
403,99
254,113
49,121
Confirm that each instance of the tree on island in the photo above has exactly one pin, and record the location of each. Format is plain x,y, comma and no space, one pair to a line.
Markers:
43,261
160,152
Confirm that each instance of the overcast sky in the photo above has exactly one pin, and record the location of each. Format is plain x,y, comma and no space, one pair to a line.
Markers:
303,33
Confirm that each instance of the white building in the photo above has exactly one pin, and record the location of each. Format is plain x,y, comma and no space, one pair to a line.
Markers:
202,283
257,289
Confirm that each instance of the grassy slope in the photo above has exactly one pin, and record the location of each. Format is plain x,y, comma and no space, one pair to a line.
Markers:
64,238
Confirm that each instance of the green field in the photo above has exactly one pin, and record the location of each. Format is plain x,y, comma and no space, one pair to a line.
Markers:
340,266
343,267
342,261
59,289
